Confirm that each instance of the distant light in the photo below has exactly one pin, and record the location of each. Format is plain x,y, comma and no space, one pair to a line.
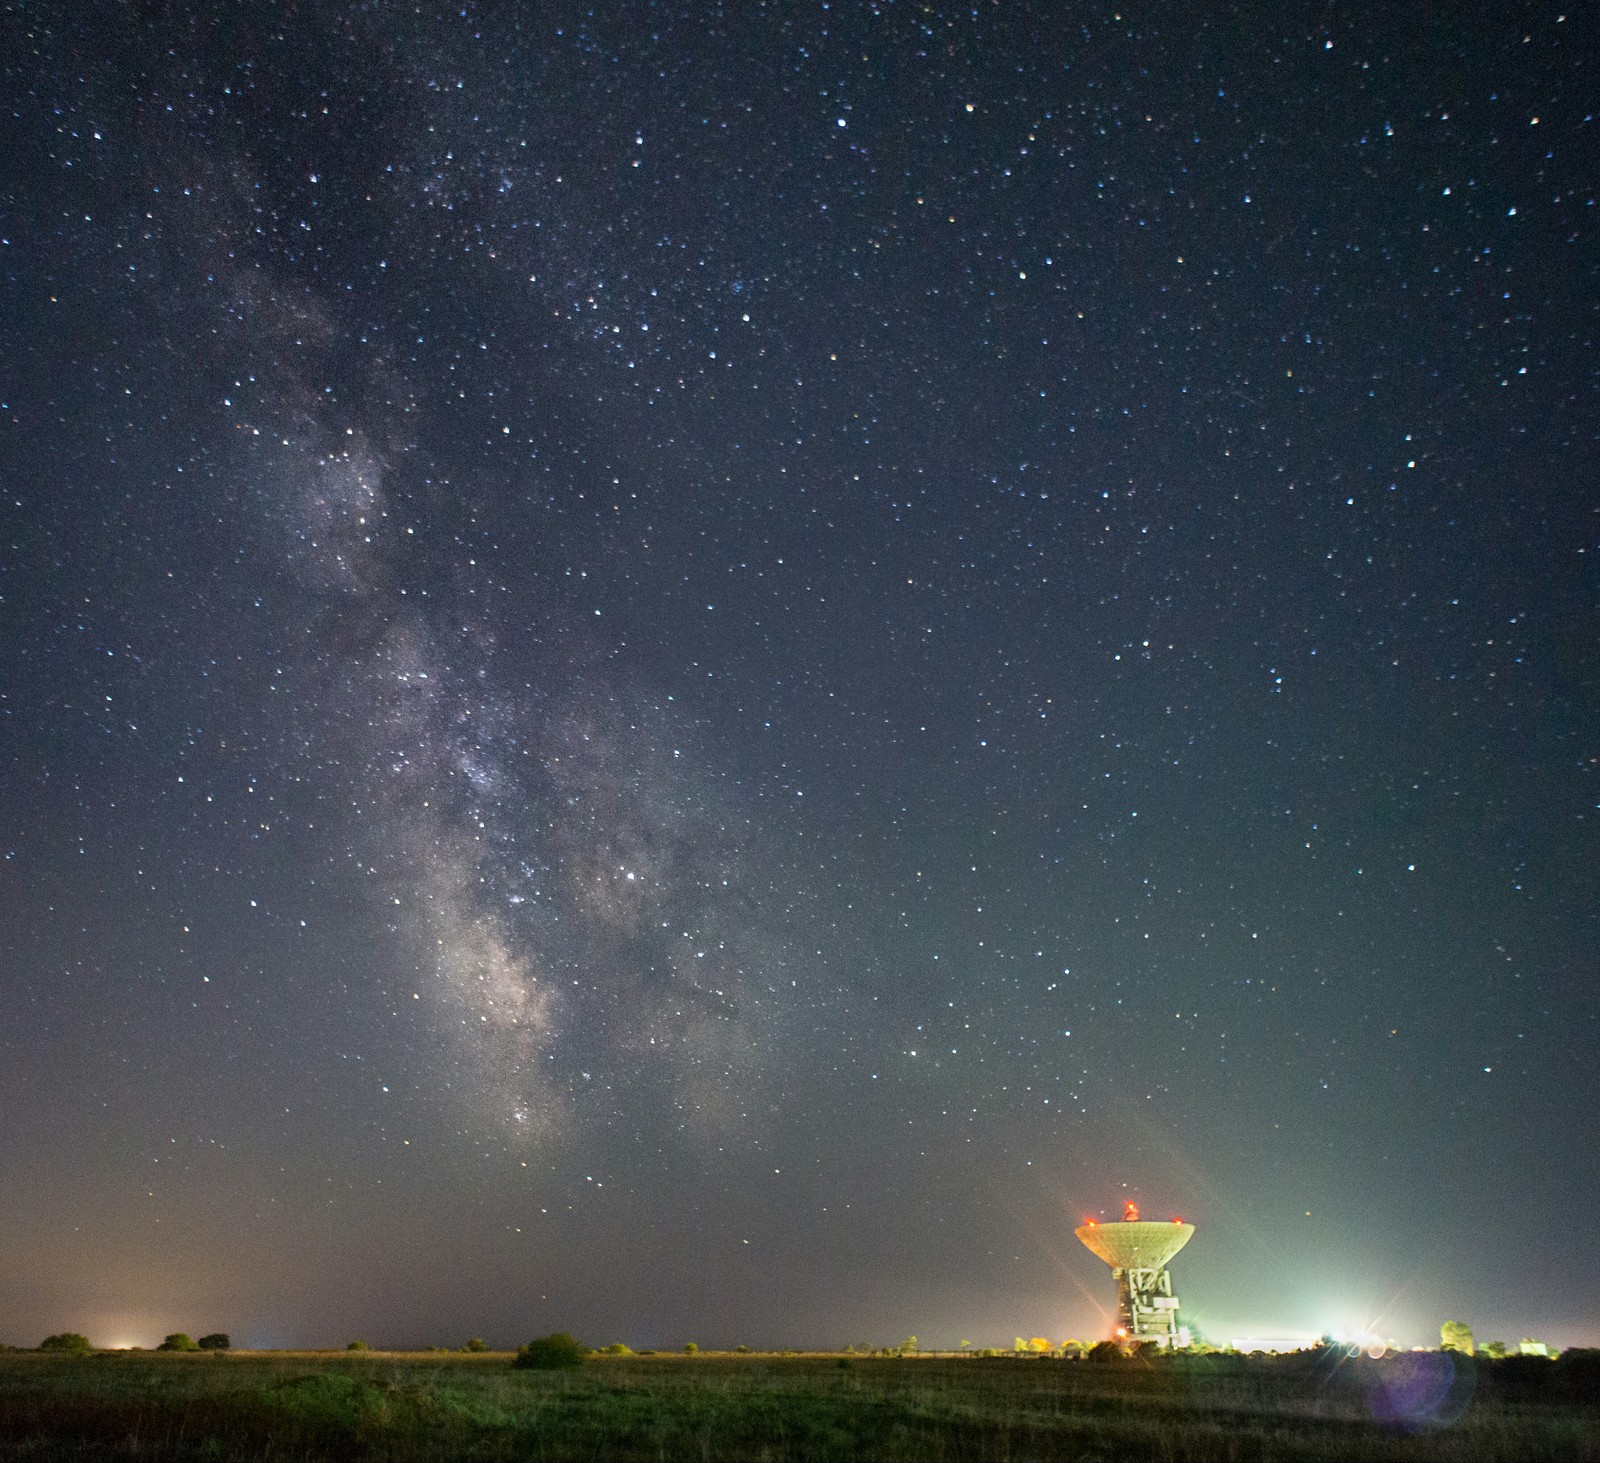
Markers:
1177,1221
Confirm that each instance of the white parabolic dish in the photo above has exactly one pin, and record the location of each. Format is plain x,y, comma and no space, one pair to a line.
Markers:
1140,1244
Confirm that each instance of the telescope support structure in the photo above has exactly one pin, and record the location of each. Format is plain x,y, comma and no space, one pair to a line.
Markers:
1147,1310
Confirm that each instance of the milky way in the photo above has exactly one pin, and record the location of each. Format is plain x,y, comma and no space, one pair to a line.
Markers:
557,852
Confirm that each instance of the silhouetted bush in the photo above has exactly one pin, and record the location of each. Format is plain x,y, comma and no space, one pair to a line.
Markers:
216,1341
1523,1378
477,1343
357,1345
619,1348
179,1341
1579,1371
548,1353
1105,1351
71,1342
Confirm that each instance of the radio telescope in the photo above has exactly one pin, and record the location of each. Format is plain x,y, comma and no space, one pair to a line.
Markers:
1137,1250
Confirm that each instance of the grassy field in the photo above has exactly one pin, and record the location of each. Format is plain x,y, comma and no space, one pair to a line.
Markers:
401,1407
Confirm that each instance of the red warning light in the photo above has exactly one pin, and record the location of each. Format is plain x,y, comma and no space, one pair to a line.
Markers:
1176,1220
1130,1212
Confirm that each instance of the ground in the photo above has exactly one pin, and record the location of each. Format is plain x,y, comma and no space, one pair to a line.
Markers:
404,1406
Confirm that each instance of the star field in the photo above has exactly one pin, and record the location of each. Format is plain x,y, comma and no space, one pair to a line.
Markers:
704,671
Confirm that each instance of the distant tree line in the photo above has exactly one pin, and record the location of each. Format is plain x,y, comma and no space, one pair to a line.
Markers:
182,1341
1457,1336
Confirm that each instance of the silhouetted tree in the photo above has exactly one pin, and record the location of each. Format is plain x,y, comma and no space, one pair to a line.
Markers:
1456,1336
73,1342
179,1341
216,1341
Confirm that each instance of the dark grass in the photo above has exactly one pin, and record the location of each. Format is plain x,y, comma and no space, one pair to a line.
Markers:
405,1407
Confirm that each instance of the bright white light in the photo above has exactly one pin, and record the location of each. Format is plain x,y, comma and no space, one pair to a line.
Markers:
1363,1340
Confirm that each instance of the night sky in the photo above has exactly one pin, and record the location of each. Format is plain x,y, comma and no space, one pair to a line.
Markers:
699,672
